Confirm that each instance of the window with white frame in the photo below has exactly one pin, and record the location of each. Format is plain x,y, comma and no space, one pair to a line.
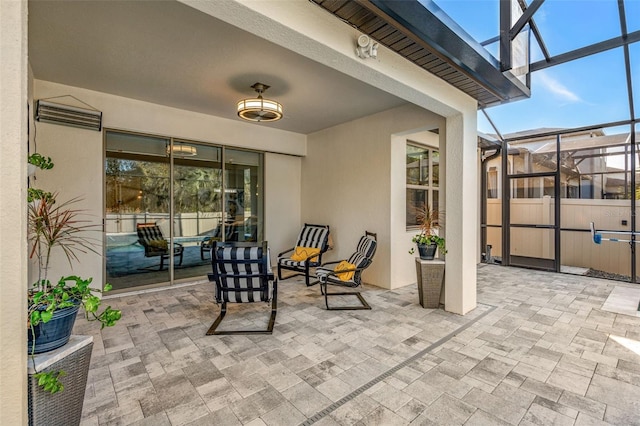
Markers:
423,166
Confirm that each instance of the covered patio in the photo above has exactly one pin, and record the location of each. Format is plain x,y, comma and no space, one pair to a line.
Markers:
170,73
540,348
511,346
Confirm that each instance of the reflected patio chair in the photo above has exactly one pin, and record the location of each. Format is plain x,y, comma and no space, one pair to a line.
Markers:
151,238
242,274
348,273
207,243
312,242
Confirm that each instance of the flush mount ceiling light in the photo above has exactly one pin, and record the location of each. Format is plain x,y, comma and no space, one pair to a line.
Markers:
259,109
182,150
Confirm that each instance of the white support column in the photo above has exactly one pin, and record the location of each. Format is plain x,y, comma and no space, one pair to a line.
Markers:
461,212
13,178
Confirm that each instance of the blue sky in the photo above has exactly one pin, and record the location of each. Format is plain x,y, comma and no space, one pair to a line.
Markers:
592,90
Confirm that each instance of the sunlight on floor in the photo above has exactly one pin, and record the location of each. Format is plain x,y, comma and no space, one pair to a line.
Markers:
623,300
630,344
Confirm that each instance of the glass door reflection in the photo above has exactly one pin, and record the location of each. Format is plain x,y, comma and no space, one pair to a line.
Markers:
197,205
242,195
137,210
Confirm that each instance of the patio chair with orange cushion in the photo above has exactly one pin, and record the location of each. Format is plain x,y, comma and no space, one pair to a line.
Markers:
348,273
312,242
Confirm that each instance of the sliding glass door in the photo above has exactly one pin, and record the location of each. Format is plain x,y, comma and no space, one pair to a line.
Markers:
243,206
137,193
197,201
168,200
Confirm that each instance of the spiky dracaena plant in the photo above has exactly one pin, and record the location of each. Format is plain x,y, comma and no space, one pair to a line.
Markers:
52,225
428,220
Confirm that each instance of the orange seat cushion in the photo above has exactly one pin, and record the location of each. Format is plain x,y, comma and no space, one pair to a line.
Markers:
301,254
345,266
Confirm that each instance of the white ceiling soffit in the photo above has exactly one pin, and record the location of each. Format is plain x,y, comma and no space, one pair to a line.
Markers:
168,53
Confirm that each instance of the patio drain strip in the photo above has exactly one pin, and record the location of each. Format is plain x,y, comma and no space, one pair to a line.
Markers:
329,409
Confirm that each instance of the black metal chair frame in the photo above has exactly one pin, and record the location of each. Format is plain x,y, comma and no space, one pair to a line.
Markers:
150,251
332,279
265,275
205,246
307,262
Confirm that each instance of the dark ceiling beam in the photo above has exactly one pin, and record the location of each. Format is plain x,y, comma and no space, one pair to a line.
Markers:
434,28
603,46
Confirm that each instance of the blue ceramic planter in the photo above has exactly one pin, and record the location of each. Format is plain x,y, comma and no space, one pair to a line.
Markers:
427,251
55,333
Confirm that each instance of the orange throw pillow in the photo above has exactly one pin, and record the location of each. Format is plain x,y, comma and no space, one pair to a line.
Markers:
345,266
301,254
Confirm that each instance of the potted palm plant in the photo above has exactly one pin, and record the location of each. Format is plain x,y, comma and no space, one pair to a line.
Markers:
427,240
52,307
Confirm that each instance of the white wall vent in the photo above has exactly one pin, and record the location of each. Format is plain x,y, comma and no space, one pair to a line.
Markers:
51,112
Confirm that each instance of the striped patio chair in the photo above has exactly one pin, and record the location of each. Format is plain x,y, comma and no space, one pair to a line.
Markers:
242,274
150,237
312,242
348,272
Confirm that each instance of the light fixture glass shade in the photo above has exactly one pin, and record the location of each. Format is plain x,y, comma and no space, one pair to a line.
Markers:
183,150
259,109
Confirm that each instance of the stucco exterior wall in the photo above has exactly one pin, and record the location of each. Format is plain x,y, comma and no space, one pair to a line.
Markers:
349,183
283,174
13,260
77,155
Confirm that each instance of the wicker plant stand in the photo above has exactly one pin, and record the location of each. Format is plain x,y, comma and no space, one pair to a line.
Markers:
63,408
430,281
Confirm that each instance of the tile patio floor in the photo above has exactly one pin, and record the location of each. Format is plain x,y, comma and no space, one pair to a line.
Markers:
538,350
